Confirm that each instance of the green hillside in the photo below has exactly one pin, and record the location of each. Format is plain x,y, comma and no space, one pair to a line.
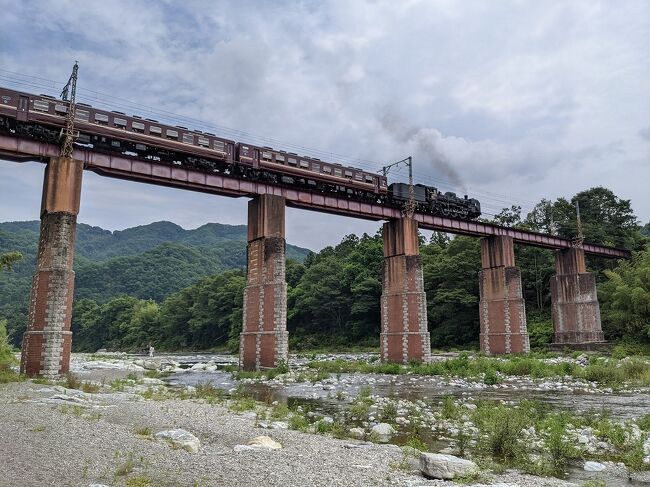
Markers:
146,262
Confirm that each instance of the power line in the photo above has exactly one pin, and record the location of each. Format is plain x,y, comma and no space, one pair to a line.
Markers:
112,102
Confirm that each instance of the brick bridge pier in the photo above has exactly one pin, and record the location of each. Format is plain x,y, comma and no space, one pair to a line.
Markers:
48,339
264,338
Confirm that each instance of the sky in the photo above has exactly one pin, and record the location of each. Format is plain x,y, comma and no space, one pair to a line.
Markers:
509,102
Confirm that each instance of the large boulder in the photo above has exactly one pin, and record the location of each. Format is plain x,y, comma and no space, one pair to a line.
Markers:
151,364
446,467
180,439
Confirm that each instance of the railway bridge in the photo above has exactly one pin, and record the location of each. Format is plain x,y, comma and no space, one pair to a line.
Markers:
264,338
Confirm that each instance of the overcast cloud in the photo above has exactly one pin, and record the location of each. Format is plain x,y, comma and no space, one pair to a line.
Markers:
512,101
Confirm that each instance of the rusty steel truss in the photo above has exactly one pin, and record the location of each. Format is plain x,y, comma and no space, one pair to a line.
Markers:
123,167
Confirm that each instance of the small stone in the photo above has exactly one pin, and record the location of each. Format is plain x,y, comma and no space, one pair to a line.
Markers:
181,439
357,445
357,433
446,467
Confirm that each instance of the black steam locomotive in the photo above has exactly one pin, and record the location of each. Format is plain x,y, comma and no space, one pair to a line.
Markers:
42,117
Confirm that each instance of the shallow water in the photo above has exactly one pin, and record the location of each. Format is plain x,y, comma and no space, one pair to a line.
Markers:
322,398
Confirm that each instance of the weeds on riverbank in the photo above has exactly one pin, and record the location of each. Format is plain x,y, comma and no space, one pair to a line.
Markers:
7,358
608,372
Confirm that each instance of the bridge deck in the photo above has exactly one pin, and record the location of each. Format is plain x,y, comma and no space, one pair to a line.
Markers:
178,177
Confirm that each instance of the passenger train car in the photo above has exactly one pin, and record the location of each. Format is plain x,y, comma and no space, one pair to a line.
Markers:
42,117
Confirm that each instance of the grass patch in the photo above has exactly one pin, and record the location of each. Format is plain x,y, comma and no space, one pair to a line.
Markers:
139,481
606,372
144,431
209,393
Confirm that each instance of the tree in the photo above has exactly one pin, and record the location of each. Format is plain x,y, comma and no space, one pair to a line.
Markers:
451,283
625,299
7,260
509,217
606,218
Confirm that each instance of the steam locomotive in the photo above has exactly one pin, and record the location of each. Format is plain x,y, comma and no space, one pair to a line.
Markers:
42,117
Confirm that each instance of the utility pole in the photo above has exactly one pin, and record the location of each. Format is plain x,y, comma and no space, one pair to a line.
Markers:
68,94
580,238
409,207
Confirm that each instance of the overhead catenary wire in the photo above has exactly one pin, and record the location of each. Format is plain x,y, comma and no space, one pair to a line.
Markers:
489,200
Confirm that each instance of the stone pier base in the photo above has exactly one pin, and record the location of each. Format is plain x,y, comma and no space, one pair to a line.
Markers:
48,339
576,312
264,338
404,333
502,309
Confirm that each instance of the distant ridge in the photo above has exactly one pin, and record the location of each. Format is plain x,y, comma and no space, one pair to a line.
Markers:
148,261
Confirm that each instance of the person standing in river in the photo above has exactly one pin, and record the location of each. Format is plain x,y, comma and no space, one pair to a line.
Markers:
151,350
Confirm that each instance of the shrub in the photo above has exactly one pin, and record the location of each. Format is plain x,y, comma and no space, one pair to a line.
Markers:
500,429
558,446
7,359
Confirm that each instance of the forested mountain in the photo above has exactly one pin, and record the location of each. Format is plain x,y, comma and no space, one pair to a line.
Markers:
146,262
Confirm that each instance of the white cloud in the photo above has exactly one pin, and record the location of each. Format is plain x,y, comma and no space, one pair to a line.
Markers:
524,99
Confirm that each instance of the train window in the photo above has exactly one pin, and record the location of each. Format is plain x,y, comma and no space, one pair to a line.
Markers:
315,167
304,164
171,134
220,146
155,130
279,158
348,174
204,142
292,160
115,143
382,183
137,126
338,172
100,117
41,105
266,156
119,122
188,139
369,179
140,147
327,170
61,108
81,115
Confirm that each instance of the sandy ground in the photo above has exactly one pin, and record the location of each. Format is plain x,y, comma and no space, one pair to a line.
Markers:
46,440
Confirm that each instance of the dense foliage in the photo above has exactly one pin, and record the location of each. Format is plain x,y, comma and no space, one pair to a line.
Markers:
147,262
154,288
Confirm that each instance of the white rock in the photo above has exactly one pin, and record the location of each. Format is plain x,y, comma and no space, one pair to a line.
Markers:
259,443
279,425
181,439
594,467
383,429
151,364
446,467
358,433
